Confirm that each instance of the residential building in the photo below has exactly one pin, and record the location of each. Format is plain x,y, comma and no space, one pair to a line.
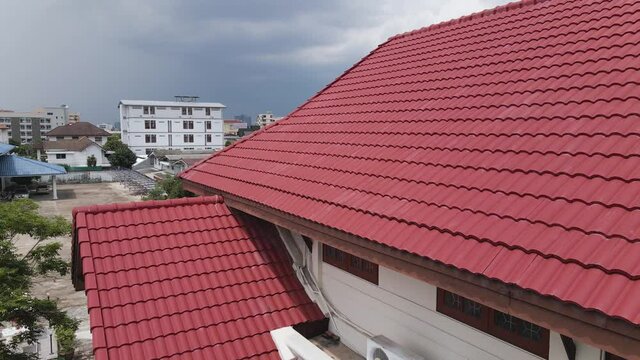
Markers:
184,125
59,115
75,131
26,127
467,190
74,117
176,161
75,152
106,127
4,134
231,126
266,119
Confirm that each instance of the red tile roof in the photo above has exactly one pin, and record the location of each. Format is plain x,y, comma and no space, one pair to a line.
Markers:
176,278
506,144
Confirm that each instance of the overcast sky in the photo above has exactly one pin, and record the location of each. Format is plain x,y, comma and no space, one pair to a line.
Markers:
251,56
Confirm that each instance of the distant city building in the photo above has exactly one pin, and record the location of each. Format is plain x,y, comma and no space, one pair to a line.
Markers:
232,126
184,124
244,118
74,117
106,127
28,127
265,119
75,131
4,134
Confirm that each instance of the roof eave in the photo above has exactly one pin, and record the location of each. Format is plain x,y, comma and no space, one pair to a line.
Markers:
605,332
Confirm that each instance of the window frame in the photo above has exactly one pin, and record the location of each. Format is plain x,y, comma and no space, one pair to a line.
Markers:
188,136
486,324
150,124
187,125
208,138
207,125
348,262
150,138
207,111
61,156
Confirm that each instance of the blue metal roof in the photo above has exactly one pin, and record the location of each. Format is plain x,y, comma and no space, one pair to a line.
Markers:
14,165
5,148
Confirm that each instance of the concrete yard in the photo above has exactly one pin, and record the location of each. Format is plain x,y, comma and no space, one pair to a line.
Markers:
61,288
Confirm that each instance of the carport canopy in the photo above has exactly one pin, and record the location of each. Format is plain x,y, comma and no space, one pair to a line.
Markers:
12,165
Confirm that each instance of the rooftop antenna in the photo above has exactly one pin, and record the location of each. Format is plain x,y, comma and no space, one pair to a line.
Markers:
186,98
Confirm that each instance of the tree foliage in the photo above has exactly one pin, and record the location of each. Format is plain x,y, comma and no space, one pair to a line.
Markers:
17,306
26,150
92,161
168,188
112,143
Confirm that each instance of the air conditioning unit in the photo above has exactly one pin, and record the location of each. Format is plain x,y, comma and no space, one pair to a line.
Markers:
381,348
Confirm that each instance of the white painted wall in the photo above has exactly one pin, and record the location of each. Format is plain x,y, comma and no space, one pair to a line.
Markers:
404,310
100,140
169,129
78,158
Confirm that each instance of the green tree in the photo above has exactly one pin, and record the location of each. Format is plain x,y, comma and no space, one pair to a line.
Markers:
17,305
168,188
13,142
26,150
112,143
92,161
123,157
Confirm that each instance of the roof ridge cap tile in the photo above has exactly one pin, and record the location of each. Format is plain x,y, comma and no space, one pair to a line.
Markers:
515,5
135,205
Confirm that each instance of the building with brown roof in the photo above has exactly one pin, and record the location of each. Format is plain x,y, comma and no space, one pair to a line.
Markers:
74,152
74,131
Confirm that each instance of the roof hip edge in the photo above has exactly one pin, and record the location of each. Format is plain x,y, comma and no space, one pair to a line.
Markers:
477,15
135,205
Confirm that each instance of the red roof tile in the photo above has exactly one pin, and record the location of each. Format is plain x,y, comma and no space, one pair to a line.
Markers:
175,278
506,143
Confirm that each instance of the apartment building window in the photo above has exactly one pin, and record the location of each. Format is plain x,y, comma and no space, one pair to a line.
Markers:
187,124
207,125
149,110
207,111
516,331
188,138
352,264
150,138
187,111
149,124
208,138
61,156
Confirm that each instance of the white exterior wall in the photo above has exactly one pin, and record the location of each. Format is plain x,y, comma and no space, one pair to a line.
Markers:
102,141
4,136
169,129
78,158
404,310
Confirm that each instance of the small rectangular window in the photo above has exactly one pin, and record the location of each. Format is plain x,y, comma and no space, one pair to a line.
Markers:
188,138
355,265
150,138
509,328
184,111
98,138
190,111
61,156
188,124
208,138
207,125
207,111
149,124
145,110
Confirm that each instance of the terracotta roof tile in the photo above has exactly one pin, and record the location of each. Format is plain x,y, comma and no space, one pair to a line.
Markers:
185,277
505,137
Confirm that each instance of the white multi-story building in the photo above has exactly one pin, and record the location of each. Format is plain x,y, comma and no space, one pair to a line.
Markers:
265,119
183,125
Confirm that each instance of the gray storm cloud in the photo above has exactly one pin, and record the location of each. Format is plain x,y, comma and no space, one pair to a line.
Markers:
250,55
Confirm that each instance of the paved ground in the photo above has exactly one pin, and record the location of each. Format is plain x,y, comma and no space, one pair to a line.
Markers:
70,196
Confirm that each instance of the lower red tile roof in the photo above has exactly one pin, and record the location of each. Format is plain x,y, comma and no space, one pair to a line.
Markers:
505,143
185,279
